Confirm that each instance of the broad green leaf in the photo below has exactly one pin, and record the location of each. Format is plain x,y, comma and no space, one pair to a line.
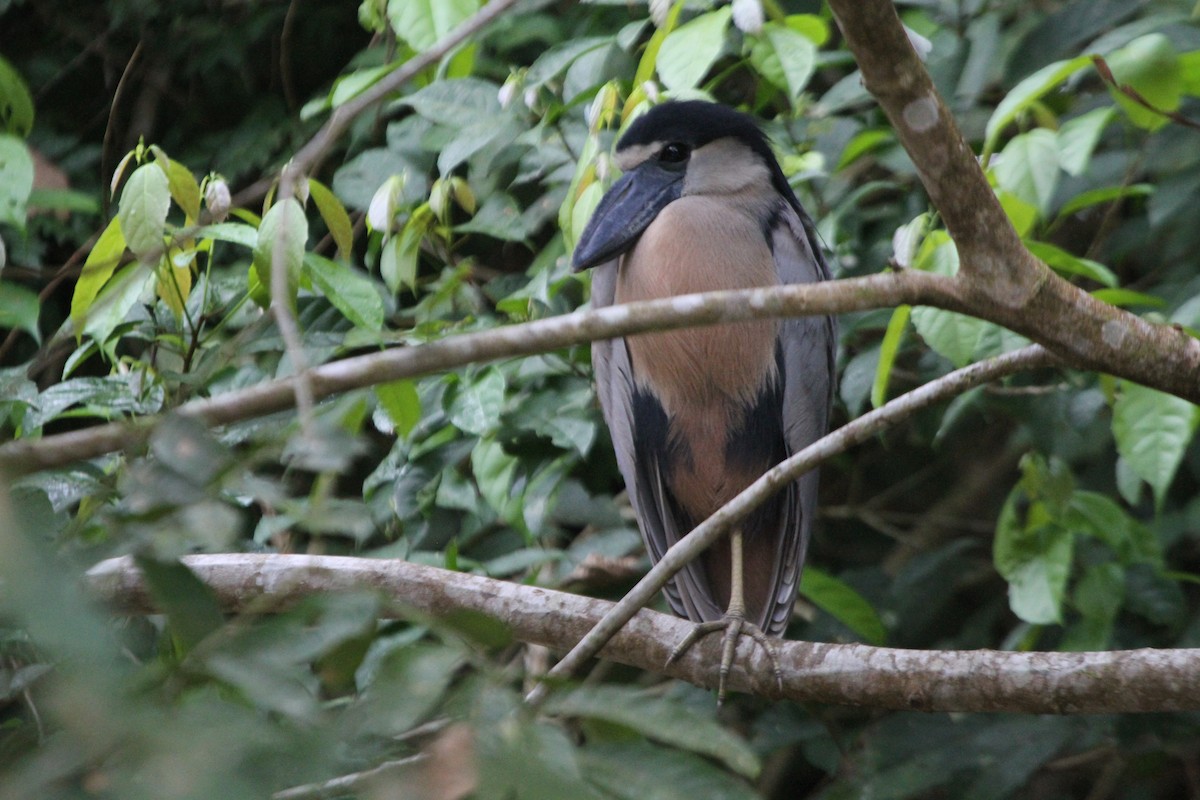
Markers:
1077,138
114,302
1028,168
97,269
495,471
1097,597
954,336
185,190
477,406
19,309
637,770
398,258
1022,215
232,232
887,354
690,51
864,142
284,229
1033,548
841,602
1150,66
1153,430
456,104
406,686
1097,515
402,404
815,29
145,201
16,104
422,23
348,87
192,609
350,292
785,57
16,179
1034,556
334,214
1063,262
660,719
1027,92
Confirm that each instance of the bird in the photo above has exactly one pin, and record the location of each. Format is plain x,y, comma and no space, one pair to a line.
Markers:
696,415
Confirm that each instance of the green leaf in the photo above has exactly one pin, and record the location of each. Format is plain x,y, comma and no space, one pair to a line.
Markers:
638,770
841,602
863,142
1097,597
350,292
334,214
495,471
887,354
1106,194
457,104
192,609
118,297
1028,168
477,406
185,190
402,404
1150,66
661,719
815,29
232,232
1064,263
398,258
1032,548
1097,515
422,23
16,179
1026,93
1124,298
16,104
690,50
646,66
97,269
1152,430
785,57
19,308
407,685
145,201
1077,138
284,229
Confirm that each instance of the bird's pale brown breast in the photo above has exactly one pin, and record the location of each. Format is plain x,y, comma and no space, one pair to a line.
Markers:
706,379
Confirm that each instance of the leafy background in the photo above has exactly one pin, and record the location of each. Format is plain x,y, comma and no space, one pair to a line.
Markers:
1057,511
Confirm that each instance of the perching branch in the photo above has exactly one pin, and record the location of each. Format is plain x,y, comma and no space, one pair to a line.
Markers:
706,533
877,677
883,290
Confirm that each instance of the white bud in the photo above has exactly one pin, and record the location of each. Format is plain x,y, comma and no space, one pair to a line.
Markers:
530,98
658,12
3,253
382,209
748,15
508,91
216,198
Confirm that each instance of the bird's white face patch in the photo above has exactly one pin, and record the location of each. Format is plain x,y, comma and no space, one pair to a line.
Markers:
628,158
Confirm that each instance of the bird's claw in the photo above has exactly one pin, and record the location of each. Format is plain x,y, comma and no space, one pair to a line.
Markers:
734,625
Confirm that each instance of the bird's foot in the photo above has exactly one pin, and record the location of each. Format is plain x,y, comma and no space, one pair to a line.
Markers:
734,625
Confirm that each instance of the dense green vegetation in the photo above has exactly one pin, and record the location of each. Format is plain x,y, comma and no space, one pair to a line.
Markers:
1056,511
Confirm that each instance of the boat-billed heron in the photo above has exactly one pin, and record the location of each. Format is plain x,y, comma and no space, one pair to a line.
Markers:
697,415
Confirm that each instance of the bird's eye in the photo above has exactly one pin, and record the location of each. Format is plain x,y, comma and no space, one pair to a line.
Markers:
674,153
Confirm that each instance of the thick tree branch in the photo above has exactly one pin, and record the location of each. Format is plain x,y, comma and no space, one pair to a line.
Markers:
883,290
976,680
1001,280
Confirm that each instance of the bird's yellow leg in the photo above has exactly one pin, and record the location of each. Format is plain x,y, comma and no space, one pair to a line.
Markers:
734,624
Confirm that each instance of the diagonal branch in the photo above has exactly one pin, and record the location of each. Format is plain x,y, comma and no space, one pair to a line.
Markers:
716,526
858,675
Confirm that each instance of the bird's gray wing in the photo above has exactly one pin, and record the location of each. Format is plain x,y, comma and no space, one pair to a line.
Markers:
687,593
806,354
